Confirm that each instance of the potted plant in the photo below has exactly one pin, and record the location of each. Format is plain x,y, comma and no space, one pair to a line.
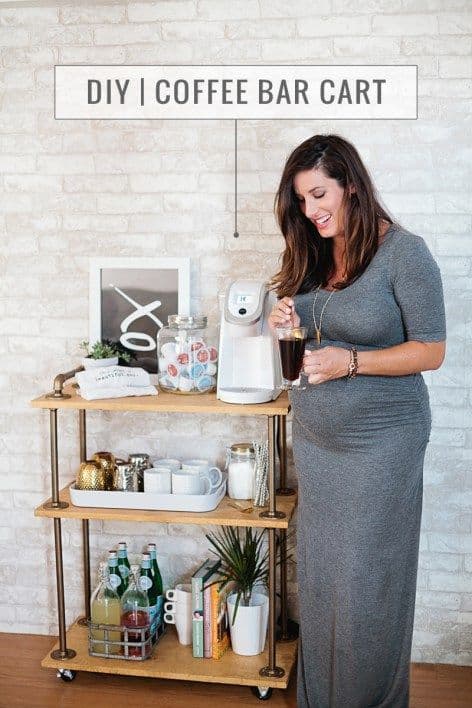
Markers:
244,566
104,353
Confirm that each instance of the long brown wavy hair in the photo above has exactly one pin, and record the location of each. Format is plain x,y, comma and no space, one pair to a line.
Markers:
307,261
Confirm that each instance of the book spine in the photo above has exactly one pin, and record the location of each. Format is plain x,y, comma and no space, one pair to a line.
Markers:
207,633
219,628
214,621
197,617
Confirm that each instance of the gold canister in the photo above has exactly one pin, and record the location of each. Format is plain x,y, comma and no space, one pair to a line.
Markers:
107,461
91,475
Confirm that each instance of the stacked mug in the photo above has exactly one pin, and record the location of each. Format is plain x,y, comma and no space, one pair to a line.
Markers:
170,476
178,611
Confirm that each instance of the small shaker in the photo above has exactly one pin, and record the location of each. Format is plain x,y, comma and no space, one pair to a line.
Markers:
124,477
140,462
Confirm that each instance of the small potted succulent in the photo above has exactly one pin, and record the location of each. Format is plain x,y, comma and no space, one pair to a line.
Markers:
244,566
104,353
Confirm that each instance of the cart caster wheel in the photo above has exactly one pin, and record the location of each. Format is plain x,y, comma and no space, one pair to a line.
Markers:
261,692
66,674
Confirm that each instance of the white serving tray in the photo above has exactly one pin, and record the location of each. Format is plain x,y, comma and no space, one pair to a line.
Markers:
147,500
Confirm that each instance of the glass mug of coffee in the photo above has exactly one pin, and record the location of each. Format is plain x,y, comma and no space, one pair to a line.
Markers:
292,343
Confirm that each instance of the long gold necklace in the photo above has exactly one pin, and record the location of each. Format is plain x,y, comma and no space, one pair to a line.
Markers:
318,328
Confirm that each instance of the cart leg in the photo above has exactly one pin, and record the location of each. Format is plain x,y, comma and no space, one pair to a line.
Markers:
283,490
54,503
272,669
85,526
284,634
283,584
63,652
86,563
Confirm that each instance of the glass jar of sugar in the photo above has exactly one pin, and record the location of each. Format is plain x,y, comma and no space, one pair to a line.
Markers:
241,468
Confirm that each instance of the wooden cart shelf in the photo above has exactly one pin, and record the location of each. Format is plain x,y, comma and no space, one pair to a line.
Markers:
223,515
172,660
165,403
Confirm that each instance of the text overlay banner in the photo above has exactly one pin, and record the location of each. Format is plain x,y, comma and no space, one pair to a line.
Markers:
236,92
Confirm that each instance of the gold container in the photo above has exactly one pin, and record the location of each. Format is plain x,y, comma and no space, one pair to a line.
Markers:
91,475
107,461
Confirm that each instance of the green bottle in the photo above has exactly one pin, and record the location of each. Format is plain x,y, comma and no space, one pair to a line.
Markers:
147,584
123,565
114,574
157,581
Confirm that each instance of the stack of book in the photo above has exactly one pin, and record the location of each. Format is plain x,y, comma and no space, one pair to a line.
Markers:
210,630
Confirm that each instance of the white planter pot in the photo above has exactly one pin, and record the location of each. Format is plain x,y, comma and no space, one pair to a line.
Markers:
89,363
249,631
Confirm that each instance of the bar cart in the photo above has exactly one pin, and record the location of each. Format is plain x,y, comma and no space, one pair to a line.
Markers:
262,673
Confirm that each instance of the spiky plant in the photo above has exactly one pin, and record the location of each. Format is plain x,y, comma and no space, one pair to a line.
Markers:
243,561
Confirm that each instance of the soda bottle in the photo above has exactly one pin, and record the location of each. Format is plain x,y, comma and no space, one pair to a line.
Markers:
105,608
158,582
135,614
114,573
148,585
123,564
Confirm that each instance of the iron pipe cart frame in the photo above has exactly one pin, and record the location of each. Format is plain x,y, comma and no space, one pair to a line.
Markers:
234,669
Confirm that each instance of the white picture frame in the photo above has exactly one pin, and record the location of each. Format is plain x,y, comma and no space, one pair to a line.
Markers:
131,298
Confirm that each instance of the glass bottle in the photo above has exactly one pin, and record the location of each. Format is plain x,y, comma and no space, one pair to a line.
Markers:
187,360
123,564
105,608
147,584
114,573
135,614
158,582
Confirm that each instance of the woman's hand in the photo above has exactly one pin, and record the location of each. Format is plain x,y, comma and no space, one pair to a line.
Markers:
325,364
283,314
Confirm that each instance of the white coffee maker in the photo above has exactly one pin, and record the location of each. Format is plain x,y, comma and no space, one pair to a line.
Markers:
249,365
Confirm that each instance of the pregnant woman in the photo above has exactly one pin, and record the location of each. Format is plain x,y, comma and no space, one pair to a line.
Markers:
370,294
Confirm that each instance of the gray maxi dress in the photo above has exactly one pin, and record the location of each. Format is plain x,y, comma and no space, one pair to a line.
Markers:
359,447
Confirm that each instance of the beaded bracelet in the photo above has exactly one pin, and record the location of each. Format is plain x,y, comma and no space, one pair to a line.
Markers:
353,364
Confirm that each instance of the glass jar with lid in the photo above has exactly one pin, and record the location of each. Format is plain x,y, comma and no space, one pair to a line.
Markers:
241,468
187,360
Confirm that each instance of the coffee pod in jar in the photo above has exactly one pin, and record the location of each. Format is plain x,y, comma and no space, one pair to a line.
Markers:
91,475
168,351
185,383
205,383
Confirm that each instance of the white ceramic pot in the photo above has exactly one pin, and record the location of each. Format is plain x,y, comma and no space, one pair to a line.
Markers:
89,363
249,631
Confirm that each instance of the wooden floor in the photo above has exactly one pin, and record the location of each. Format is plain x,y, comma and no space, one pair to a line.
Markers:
24,684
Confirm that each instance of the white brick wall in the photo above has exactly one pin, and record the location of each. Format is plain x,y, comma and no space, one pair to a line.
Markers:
75,189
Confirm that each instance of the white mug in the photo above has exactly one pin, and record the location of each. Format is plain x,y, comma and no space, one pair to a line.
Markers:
167,462
202,467
158,480
190,483
181,593
179,612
